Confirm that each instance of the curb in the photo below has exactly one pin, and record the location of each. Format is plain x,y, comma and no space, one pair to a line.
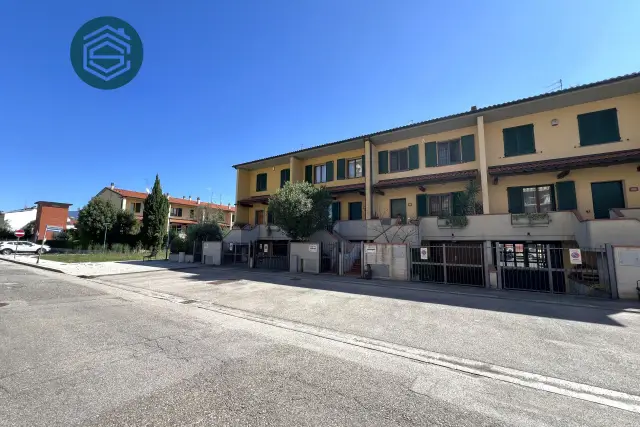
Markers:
29,264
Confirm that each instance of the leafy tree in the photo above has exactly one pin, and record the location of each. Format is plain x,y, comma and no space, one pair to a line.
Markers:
93,218
207,214
154,217
5,230
125,228
300,209
29,229
205,232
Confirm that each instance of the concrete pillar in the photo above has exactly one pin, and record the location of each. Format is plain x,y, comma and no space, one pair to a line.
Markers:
484,174
295,169
368,181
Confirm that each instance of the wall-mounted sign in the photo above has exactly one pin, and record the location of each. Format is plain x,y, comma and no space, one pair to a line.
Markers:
424,253
313,248
230,246
266,248
370,249
576,256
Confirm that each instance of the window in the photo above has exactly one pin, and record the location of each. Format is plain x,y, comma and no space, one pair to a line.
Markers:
320,174
537,199
192,213
399,160
518,140
259,217
285,176
136,207
176,211
261,182
354,168
532,199
598,127
439,204
233,218
449,152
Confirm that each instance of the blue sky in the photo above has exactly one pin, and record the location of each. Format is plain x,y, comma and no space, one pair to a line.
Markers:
228,82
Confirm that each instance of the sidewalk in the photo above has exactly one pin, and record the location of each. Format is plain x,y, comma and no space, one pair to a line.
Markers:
90,269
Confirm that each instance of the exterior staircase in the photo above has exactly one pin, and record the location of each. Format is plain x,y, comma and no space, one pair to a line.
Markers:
356,269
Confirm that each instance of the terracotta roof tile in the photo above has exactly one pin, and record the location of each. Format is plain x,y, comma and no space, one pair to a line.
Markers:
452,116
427,179
576,162
173,200
346,188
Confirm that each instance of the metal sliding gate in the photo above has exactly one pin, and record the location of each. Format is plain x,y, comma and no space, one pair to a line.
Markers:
236,254
452,263
271,254
549,267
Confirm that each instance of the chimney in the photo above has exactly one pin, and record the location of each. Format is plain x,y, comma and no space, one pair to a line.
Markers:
189,197
183,197
113,185
198,200
474,108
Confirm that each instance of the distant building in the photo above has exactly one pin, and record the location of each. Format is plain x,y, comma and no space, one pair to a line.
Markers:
183,212
18,218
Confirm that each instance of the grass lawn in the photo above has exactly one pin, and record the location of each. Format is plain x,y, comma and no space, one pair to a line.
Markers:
96,257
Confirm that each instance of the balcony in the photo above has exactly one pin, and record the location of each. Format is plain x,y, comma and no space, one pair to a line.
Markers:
551,226
385,230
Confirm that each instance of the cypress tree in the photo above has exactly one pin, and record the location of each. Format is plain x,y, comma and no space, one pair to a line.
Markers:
154,217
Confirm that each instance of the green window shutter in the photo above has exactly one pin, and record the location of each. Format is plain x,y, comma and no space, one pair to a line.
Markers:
567,200
330,171
468,148
456,203
308,173
421,204
363,169
269,217
341,169
431,154
261,182
383,162
516,200
599,127
510,137
526,140
414,157
335,211
284,176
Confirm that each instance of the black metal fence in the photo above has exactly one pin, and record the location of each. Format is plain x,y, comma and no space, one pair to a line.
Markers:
550,267
235,254
271,254
330,258
452,263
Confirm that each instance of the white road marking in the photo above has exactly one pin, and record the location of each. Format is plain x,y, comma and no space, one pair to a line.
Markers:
612,398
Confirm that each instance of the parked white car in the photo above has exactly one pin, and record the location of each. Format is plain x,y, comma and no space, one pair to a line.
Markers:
7,248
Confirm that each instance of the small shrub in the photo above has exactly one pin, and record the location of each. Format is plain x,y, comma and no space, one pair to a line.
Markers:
178,244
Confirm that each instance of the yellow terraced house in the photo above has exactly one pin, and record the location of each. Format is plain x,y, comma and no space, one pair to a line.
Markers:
557,167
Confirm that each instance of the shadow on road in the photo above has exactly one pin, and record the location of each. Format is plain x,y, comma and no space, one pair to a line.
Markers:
579,309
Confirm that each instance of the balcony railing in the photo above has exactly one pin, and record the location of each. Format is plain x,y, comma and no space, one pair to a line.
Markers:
530,219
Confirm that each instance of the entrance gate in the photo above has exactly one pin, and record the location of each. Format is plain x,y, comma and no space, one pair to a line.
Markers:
330,260
271,254
452,263
235,254
547,267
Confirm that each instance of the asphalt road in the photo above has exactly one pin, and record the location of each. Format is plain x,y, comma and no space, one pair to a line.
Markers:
78,352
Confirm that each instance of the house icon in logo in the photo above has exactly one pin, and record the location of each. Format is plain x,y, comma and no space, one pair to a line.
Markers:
106,52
